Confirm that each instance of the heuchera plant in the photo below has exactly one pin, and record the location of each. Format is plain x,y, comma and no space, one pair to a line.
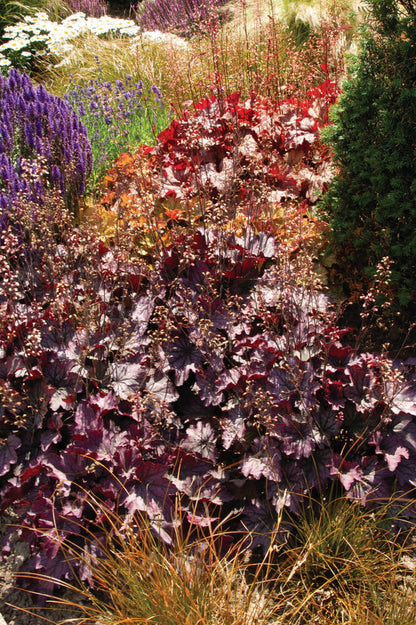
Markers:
250,157
35,124
216,375
224,142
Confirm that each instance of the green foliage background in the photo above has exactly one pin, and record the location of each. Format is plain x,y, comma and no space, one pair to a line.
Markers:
371,204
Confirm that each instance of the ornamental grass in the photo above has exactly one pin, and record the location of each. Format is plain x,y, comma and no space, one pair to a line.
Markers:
341,565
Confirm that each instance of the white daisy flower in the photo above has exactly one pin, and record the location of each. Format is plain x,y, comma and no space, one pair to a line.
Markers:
12,32
17,44
56,29
55,47
156,36
44,24
38,38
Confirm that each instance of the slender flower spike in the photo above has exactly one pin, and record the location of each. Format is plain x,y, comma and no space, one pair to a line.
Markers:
35,123
116,116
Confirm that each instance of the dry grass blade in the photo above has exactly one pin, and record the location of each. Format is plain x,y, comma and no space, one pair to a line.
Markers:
340,567
203,578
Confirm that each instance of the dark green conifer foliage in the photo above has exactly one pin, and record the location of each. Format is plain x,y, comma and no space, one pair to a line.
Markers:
371,204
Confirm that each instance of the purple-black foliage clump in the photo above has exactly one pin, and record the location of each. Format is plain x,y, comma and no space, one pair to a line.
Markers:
183,16
212,375
39,131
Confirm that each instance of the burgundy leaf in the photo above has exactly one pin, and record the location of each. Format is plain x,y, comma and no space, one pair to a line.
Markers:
183,357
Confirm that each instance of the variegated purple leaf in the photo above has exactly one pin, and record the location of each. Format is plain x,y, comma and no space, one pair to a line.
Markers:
201,438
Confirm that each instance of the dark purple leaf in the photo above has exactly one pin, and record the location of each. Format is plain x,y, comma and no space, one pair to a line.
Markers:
149,490
328,422
205,387
183,357
233,427
194,476
374,483
87,419
405,400
53,433
263,461
56,335
362,383
126,378
160,387
112,440
258,520
104,403
142,312
317,469
405,473
297,439
261,244
334,393
229,379
348,472
8,455
391,448
405,427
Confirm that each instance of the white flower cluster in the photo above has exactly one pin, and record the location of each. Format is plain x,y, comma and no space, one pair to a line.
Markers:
37,36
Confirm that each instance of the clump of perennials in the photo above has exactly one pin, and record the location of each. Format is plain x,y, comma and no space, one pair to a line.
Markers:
182,16
39,38
211,374
36,124
118,116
